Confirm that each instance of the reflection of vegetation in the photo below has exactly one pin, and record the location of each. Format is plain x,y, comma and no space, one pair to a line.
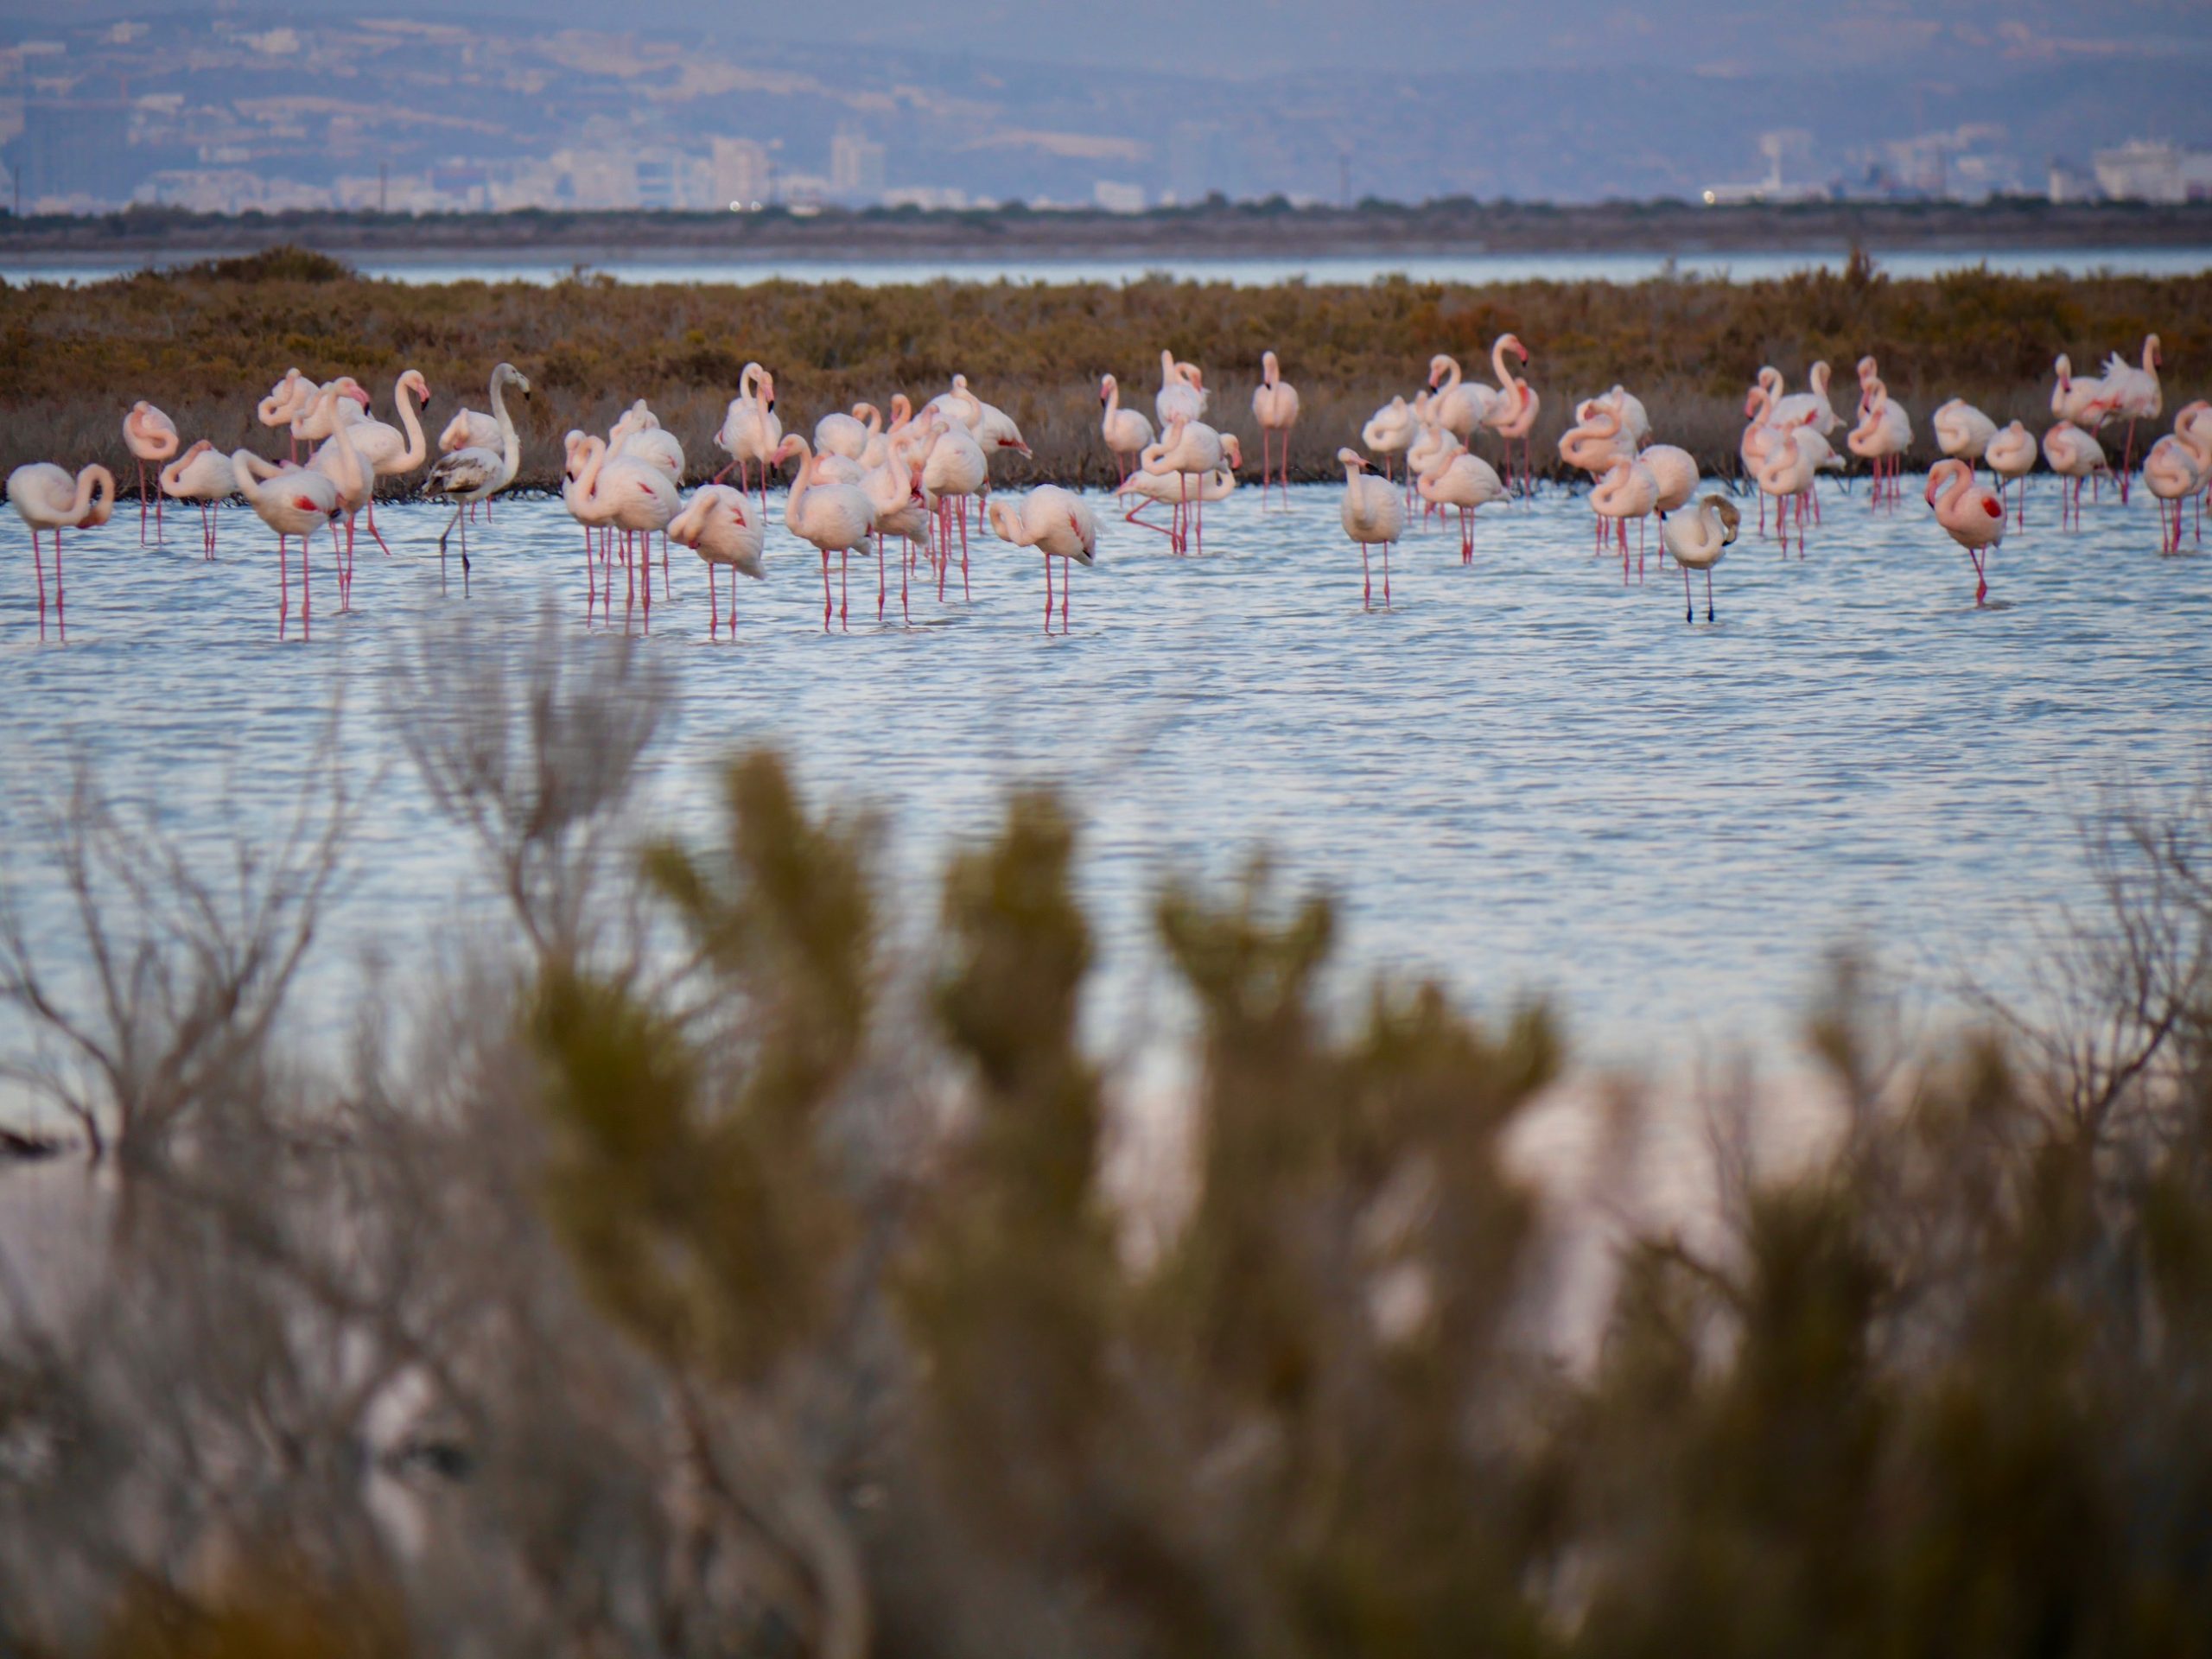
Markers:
204,343
705,1273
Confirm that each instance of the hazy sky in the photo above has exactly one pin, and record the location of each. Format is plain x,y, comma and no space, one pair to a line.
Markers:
1251,37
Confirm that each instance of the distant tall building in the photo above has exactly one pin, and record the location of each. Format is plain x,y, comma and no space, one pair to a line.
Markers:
742,172
2149,170
855,167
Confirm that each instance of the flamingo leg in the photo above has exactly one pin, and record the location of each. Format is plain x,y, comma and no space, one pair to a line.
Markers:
1067,583
844,587
965,594
1048,593
1366,581
142,504
825,590
1708,593
714,604
1386,575
1689,611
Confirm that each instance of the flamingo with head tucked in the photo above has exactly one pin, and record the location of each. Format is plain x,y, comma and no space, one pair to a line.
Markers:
201,474
1274,407
1465,481
1962,431
1058,525
2178,467
2074,454
1881,438
719,526
2012,456
287,400
1697,540
151,438
1628,491
1971,516
1462,405
290,501
835,518
47,499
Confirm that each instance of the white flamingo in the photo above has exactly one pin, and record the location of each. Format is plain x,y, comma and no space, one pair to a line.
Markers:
204,475
1059,525
1274,407
47,499
1697,540
835,518
292,501
151,438
750,430
1373,516
2074,454
1126,430
468,476
718,524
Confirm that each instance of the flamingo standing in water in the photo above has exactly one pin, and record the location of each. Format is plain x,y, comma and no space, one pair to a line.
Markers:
1190,449
750,430
471,475
1126,430
2012,456
2077,398
954,468
894,489
1275,406
1789,475
1373,516
290,501
2075,456
1971,516
1461,405
718,525
389,451
204,475
629,493
1514,413
1058,525
1810,407
1962,431
2134,392
1628,491
839,434
2178,467
1697,540
1882,437
835,518
151,438
1465,481
46,498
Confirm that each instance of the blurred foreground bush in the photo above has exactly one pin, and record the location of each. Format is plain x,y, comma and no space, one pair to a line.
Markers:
700,1269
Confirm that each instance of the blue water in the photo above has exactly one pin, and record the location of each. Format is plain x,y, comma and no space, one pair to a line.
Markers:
1528,775
1246,272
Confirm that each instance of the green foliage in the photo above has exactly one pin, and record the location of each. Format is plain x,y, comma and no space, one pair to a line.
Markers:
688,1182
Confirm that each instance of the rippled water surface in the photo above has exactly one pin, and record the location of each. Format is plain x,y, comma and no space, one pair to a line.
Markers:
1742,265
1528,773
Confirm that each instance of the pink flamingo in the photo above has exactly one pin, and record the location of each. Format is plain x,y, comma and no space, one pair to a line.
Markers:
290,501
46,498
1059,525
835,518
1275,406
718,525
201,474
151,437
1971,516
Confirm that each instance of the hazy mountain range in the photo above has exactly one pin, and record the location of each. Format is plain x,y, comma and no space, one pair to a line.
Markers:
1047,98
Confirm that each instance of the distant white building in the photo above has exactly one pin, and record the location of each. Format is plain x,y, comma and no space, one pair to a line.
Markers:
1117,197
744,175
928,197
2071,183
2147,170
855,167
1773,146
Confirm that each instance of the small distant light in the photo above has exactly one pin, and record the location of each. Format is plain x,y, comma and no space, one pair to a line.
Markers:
1710,197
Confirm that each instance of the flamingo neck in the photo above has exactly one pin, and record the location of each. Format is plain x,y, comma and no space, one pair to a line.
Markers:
410,422
510,445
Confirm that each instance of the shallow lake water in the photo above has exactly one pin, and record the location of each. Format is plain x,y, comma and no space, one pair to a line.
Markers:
1742,265
1528,775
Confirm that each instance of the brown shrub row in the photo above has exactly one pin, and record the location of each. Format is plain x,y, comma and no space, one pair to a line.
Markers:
205,343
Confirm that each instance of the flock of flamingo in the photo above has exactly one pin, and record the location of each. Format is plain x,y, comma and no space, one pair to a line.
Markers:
916,476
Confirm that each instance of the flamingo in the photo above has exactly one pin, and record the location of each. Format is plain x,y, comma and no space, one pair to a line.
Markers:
894,495
838,434
470,429
630,494
2073,455
2077,398
2012,456
201,474
1971,516
835,518
2173,471
1788,475
716,525
750,430
954,468
471,475
1962,431
1514,414
1058,525
1676,469
389,451
287,400
46,498
1697,540
2135,393
1275,406
1627,491
1169,490
1390,431
1372,514
1598,438
290,501
151,437
1126,430
1810,407
1882,437
1461,405
580,450
1182,390
1465,481
342,462
638,435
1193,449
